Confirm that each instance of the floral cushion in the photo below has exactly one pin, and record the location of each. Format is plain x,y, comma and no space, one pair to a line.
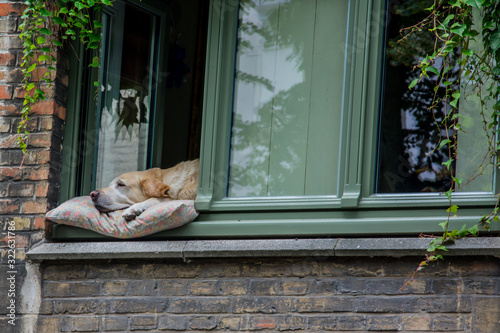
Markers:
81,212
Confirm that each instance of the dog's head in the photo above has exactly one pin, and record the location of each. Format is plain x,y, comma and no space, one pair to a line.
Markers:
128,189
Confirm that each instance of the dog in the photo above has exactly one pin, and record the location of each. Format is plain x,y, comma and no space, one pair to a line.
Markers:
136,191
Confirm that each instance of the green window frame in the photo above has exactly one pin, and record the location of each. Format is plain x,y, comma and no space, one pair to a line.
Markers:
356,208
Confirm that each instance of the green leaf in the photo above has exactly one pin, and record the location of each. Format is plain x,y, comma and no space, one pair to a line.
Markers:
57,20
43,57
448,163
57,43
474,3
31,68
443,225
40,39
443,143
474,230
453,209
413,83
45,31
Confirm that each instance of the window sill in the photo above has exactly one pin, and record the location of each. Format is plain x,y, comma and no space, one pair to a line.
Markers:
356,247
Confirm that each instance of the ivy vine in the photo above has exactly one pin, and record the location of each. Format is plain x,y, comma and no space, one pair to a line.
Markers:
466,35
45,26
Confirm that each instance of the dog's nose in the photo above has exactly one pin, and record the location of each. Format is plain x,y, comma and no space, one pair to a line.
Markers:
94,195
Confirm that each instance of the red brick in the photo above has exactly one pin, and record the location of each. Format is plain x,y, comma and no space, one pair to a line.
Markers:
36,173
42,188
9,109
11,8
49,108
11,75
10,42
6,91
46,123
8,206
34,207
9,141
10,173
40,140
7,59
43,157
263,323
39,223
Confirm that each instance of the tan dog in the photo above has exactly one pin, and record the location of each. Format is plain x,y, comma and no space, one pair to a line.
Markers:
138,190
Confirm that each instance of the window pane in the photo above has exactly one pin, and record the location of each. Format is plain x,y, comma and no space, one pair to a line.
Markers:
287,97
126,96
409,160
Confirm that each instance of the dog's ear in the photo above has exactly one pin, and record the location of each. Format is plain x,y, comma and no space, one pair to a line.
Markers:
154,188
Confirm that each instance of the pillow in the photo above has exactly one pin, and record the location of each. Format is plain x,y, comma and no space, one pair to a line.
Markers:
81,212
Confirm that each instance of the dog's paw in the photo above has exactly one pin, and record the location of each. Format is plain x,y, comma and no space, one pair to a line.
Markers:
131,213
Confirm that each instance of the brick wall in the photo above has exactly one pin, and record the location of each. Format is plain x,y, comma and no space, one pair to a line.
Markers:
273,294
302,295
28,183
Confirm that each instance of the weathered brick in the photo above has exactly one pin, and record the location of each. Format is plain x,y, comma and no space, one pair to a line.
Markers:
143,322
21,189
11,8
199,305
291,323
386,304
173,322
481,286
323,304
40,140
416,322
233,287
5,125
262,305
447,323
322,323
295,287
263,323
382,323
202,323
445,304
114,287
142,288
7,58
42,189
138,305
264,287
49,107
22,223
79,306
56,289
85,324
204,288
39,206
8,42
486,314
8,24
85,289
114,323
172,288
36,173
8,75
9,206
6,91
234,323
47,324
351,323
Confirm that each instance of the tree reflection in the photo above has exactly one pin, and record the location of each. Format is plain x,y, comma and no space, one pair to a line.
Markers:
410,130
272,97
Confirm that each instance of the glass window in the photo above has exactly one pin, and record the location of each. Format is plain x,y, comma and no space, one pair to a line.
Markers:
410,133
287,98
127,96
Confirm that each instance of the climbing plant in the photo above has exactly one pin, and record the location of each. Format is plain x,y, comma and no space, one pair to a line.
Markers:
46,25
464,62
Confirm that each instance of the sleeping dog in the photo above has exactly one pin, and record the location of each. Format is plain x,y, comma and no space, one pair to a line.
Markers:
138,190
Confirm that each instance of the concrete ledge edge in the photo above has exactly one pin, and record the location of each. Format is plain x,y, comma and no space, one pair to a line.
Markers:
341,247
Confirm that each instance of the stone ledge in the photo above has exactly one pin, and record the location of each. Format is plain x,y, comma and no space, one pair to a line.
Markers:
362,247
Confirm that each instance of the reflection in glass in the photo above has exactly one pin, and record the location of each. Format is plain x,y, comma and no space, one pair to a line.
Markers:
410,133
126,98
287,97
